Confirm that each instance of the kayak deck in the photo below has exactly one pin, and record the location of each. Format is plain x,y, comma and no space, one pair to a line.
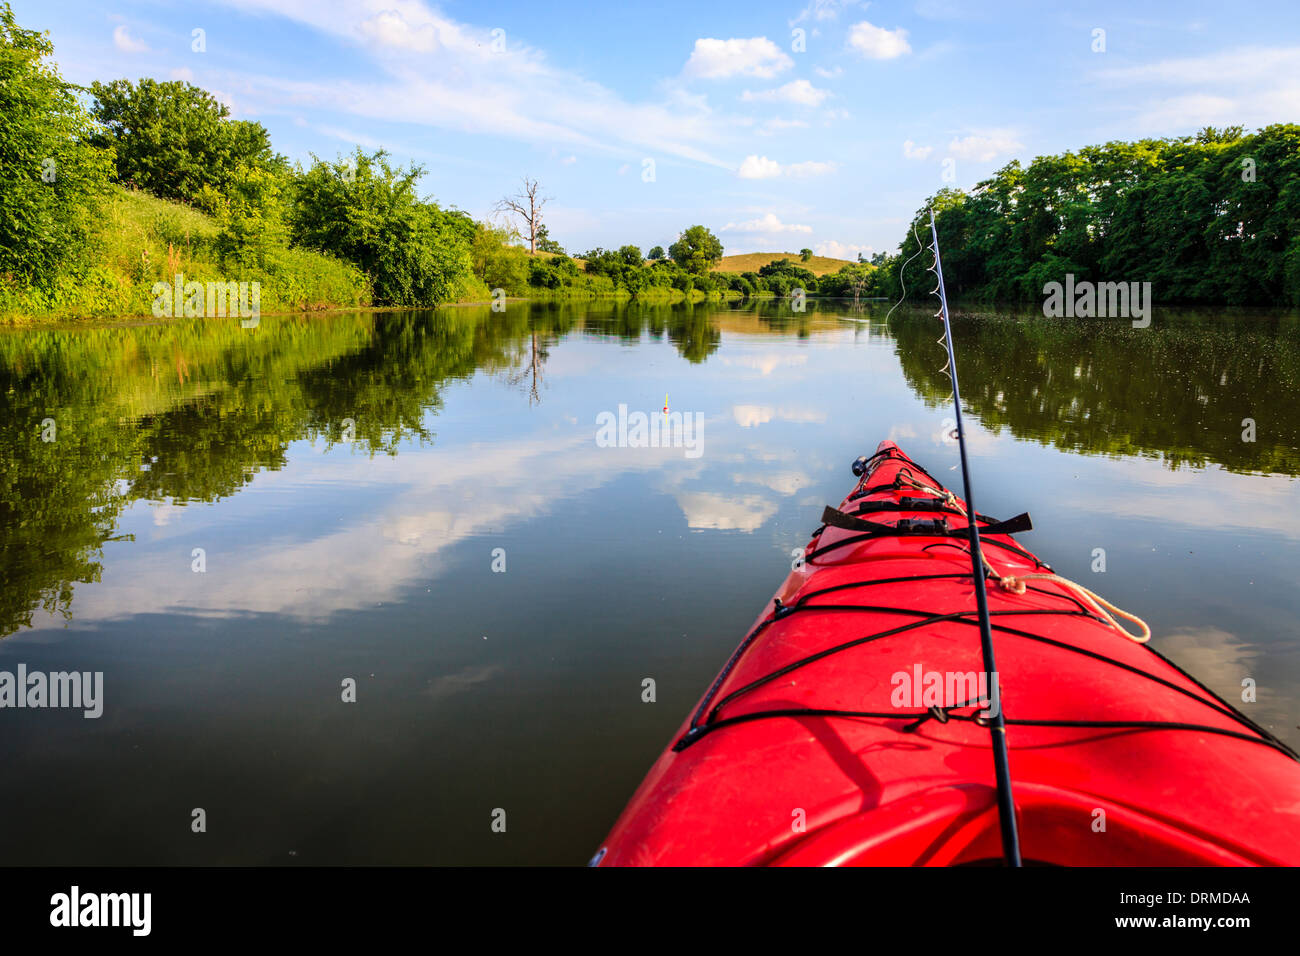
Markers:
845,728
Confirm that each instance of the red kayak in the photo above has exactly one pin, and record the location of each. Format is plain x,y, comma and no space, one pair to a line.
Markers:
851,724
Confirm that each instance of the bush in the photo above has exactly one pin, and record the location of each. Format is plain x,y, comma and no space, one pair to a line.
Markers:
366,211
51,178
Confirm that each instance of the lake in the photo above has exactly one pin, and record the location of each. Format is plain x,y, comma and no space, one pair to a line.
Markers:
242,527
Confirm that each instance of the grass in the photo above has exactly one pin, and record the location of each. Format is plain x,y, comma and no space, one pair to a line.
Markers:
753,261
142,239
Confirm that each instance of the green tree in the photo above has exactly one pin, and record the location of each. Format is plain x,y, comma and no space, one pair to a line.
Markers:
250,215
546,244
501,264
1207,218
697,251
656,253
366,211
805,254
51,177
174,138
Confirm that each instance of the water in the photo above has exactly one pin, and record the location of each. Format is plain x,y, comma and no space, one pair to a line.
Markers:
476,690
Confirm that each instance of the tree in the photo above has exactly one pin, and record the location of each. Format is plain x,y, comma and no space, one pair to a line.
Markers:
500,264
805,254
697,250
527,206
656,253
250,215
174,138
51,178
546,244
368,212
1189,215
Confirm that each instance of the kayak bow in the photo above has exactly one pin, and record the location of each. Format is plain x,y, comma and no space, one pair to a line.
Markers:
851,724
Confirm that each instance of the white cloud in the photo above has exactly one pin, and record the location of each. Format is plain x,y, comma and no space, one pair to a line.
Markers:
912,151
760,167
477,85
777,124
824,10
767,224
225,98
766,363
718,59
984,145
349,136
782,482
840,250
877,43
712,512
390,29
184,74
123,40
809,168
1253,86
826,74
568,160
750,416
797,91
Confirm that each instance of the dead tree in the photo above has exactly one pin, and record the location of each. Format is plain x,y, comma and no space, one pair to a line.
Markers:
530,375
527,206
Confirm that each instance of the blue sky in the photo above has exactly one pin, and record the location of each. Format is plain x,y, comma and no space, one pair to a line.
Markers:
775,139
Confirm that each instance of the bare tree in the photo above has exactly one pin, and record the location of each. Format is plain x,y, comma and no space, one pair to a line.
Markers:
527,205
539,353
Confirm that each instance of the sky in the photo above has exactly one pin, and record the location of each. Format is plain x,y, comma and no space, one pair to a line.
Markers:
779,126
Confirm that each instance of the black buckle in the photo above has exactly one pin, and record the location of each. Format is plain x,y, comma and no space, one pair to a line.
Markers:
923,525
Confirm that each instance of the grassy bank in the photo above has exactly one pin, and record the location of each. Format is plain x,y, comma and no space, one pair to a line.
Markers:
140,239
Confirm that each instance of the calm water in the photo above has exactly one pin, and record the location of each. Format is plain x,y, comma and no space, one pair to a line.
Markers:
372,559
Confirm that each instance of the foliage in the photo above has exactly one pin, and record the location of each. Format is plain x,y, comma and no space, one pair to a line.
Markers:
142,239
51,178
367,211
499,263
1211,218
860,278
174,138
546,244
250,216
697,251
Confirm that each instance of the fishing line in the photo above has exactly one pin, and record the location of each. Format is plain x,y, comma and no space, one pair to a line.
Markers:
920,247
997,724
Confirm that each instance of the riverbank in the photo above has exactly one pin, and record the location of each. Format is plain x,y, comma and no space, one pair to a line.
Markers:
142,240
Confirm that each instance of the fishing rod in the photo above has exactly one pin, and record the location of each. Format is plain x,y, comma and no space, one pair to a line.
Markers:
997,724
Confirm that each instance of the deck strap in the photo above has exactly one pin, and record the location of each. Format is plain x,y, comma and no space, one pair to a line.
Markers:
835,518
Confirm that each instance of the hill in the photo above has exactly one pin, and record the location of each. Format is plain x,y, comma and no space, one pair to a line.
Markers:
753,261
